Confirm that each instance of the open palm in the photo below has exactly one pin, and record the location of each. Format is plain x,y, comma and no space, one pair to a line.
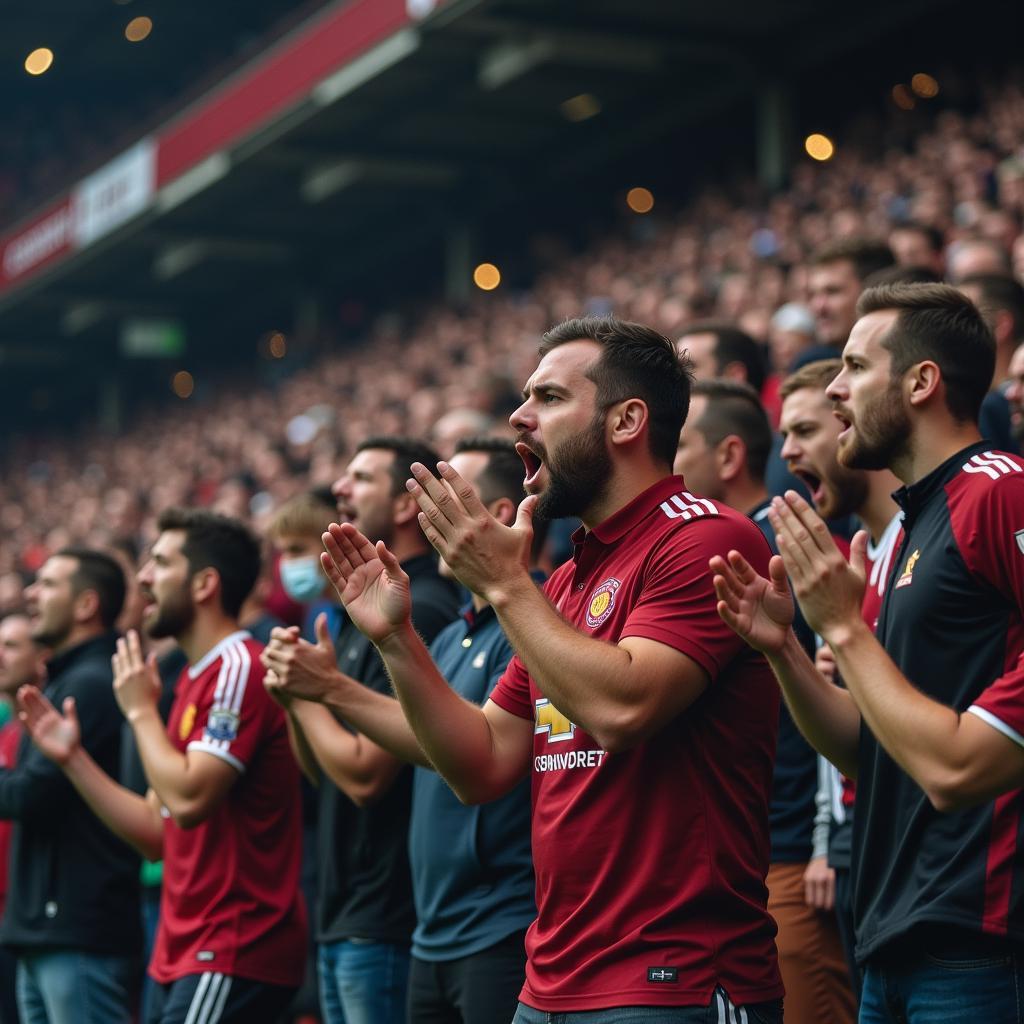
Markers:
57,736
760,610
371,584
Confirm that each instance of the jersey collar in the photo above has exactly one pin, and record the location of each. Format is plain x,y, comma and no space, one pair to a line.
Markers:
617,525
194,671
915,496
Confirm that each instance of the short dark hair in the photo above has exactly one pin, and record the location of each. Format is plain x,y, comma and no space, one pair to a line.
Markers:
866,255
503,474
902,275
939,323
101,573
1000,292
932,235
732,345
215,541
637,362
735,408
817,376
406,450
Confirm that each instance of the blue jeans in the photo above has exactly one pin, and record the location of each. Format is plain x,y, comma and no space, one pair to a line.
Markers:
73,987
958,987
718,1010
363,982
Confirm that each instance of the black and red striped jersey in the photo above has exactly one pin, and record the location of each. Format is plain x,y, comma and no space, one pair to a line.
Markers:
952,619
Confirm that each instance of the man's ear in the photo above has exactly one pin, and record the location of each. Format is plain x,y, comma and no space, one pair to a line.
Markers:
627,420
504,510
922,382
405,508
205,584
86,605
731,457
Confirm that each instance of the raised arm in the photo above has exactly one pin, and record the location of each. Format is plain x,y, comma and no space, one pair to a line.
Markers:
481,753
761,612
133,818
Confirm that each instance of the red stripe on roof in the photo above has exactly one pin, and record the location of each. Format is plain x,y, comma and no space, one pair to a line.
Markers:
279,79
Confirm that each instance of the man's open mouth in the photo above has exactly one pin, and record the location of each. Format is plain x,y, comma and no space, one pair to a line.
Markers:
811,481
532,463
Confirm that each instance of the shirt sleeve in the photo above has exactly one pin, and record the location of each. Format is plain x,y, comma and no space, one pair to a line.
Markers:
677,605
992,544
512,691
231,718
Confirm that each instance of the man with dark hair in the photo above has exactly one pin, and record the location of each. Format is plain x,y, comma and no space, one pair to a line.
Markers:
835,281
365,914
918,245
223,805
72,912
472,871
931,721
722,453
719,349
648,729
1001,301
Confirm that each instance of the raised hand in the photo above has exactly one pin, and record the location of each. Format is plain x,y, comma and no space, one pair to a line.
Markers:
298,669
136,679
57,736
483,553
760,610
371,584
830,589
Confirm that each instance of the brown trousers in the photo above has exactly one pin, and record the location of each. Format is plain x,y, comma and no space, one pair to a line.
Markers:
811,957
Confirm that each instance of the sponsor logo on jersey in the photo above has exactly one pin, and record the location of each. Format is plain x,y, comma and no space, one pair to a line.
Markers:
188,720
1019,538
222,724
547,718
907,576
662,975
602,601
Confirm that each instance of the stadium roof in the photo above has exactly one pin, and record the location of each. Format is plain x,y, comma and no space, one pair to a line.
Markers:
374,129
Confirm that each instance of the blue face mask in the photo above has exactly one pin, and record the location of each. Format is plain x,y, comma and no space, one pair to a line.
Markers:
301,578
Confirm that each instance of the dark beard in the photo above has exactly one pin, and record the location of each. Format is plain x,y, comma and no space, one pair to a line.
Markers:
881,437
577,473
173,617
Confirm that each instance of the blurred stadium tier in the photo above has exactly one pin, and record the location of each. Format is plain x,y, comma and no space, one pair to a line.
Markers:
369,153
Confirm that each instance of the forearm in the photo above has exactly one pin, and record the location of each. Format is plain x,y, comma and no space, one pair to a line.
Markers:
921,735
304,756
167,769
453,734
823,712
378,717
126,814
589,681
348,759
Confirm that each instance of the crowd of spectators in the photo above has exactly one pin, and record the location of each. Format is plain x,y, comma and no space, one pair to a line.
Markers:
954,197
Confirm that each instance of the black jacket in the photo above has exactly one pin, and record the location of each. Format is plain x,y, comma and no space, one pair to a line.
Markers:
72,883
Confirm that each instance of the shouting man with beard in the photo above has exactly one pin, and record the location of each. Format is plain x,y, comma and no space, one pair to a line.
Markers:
932,721
223,805
647,728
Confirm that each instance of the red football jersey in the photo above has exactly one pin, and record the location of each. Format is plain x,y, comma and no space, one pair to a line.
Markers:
231,900
651,863
10,737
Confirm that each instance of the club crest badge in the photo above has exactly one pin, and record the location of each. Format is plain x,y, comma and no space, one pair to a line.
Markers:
222,725
602,601
908,571
188,720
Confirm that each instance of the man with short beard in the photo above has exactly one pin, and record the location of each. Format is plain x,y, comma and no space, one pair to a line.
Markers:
647,728
72,913
223,809
931,723
365,912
